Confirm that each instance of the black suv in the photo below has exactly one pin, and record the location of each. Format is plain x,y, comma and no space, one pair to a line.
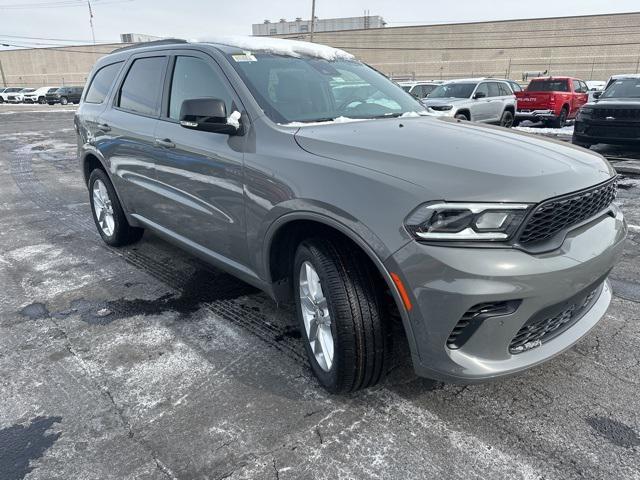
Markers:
614,118
64,95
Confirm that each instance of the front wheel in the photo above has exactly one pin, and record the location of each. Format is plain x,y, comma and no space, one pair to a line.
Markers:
507,119
107,212
340,314
64,101
42,101
461,116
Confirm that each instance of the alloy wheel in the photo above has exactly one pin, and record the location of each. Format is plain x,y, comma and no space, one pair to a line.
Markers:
316,316
103,208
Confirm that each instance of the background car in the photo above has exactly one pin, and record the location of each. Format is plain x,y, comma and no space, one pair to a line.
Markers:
64,95
10,91
420,89
595,86
614,118
38,95
479,100
552,100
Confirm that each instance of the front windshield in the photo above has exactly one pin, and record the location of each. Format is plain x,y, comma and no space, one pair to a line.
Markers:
291,89
626,88
453,90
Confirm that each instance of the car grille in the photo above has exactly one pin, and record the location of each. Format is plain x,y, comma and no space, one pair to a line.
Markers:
555,215
534,334
614,132
473,317
617,113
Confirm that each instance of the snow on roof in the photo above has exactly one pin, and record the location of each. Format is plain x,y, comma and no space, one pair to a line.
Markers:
625,75
280,46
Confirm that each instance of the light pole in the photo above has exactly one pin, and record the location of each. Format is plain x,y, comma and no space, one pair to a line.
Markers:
313,18
93,33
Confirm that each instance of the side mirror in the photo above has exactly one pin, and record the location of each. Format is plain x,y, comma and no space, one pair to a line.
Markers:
208,115
479,95
597,95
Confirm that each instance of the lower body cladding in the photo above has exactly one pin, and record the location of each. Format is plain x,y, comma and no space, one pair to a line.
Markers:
484,313
609,132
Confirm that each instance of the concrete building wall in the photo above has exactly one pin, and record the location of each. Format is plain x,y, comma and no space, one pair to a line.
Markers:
37,67
589,47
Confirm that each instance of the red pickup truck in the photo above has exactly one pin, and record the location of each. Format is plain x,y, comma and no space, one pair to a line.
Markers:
552,100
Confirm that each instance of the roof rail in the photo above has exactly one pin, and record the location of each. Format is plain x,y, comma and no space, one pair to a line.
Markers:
164,41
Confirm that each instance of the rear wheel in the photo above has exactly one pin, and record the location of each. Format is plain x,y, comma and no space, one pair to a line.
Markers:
340,314
108,215
561,120
507,119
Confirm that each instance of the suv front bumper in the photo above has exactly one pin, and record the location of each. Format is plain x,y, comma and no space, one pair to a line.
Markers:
445,282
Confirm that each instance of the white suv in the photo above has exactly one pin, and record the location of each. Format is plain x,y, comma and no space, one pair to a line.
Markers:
38,95
485,100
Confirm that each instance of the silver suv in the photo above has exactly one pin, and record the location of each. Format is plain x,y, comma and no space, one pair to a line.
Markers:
478,100
489,249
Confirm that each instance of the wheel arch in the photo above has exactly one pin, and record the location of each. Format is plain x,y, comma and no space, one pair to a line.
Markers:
464,111
289,230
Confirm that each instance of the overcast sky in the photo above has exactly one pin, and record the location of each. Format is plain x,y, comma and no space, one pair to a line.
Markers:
69,19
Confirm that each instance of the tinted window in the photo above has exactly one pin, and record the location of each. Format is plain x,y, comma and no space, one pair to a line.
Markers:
494,90
483,88
548,86
504,89
52,90
515,87
453,90
195,78
141,89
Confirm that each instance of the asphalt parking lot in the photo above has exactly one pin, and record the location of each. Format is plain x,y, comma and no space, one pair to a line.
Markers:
144,363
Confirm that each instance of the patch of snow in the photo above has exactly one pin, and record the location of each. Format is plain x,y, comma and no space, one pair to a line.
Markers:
568,130
234,119
280,46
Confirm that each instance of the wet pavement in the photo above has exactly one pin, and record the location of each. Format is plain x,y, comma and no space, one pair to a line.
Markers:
144,363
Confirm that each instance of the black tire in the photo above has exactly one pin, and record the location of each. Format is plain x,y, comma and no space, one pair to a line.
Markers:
1,100
516,122
507,119
123,233
64,100
357,315
560,121
51,103
461,116
42,101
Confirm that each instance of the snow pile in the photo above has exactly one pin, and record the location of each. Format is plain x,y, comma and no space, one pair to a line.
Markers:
279,46
234,119
568,130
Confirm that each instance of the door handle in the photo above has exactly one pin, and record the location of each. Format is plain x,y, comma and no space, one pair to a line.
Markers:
104,127
166,143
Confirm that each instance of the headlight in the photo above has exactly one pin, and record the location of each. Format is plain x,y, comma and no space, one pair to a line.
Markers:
466,221
442,108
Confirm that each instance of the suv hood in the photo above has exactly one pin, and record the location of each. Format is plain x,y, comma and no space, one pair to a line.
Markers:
459,161
616,102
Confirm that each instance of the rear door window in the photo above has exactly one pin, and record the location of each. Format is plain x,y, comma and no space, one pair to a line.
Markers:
548,86
142,88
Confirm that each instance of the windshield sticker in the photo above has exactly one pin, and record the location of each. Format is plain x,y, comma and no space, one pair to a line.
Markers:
244,57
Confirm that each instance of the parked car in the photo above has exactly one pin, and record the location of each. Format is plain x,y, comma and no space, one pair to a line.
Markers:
17,97
613,78
420,89
38,95
64,95
11,91
477,100
614,118
552,100
490,247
